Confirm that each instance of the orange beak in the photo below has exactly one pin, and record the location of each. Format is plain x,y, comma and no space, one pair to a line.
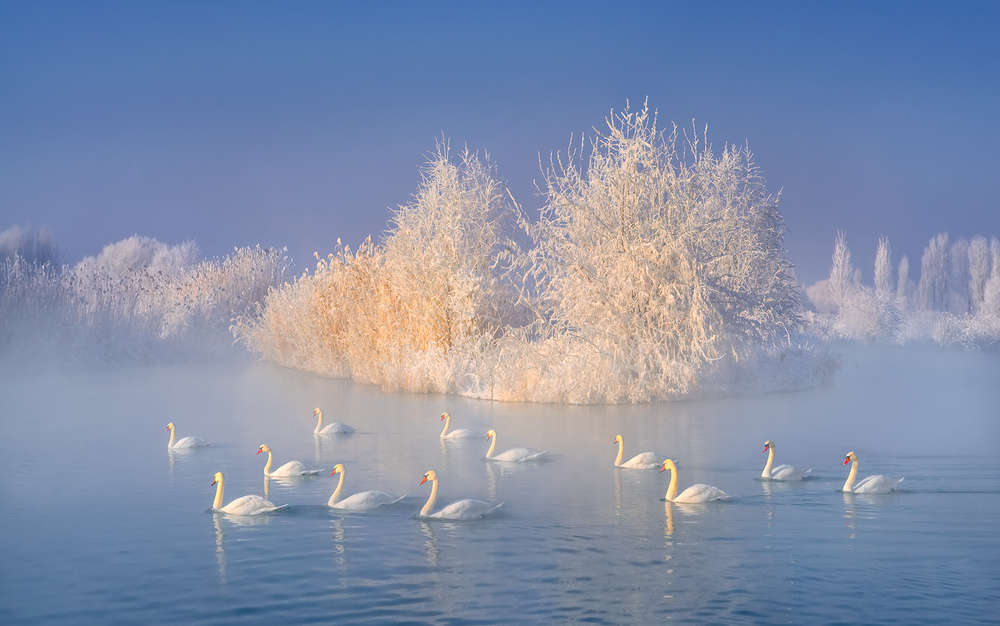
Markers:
422,480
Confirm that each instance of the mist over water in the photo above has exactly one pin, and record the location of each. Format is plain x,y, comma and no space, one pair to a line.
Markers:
96,507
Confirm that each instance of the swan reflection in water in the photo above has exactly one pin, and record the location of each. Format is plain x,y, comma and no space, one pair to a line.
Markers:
668,508
432,551
339,538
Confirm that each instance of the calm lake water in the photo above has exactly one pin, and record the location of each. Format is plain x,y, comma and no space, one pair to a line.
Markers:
100,524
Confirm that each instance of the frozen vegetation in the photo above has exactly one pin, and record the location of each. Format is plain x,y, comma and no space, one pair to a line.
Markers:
139,300
955,302
655,270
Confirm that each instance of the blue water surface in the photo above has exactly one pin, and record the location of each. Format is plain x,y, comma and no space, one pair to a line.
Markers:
101,524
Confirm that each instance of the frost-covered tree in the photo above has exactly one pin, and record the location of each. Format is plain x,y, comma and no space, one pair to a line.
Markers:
842,272
883,269
958,299
904,286
35,246
932,289
655,262
979,271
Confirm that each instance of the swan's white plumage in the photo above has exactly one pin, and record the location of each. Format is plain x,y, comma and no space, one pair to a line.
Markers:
362,501
869,484
336,428
292,468
694,494
244,505
184,442
643,460
464,510
514,455
781,472
458,433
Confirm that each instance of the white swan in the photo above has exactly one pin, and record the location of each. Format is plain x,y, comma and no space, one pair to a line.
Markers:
362,501
186,442
245,505
869,484
514,455
458,433
336,428
782,472
292,468
693,494
643,460
467,509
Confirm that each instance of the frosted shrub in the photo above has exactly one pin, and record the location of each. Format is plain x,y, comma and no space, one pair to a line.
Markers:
414,312
654,263
868,315
139,300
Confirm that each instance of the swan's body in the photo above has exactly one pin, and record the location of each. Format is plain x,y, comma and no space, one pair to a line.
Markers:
458,433
782,472
643,460
244,505
467,509
336,428
292,468
693,494
185,442
869,484
363,501
514,455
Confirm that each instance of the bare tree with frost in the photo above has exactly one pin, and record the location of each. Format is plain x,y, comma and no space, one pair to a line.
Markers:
842,272
933,286
655,262
979,270
883,268
904,286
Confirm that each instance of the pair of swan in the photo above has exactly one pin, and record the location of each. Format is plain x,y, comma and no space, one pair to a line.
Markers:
782,472
869,484
467,509
514,455
186,442
336,428
643,460
292,468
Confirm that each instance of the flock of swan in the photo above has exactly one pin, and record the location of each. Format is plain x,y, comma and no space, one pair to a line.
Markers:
470,509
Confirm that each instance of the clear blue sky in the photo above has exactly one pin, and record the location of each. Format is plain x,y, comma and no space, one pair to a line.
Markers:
295,123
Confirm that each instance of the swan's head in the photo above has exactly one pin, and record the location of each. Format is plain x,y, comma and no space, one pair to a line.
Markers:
768,445
619,439
263,448
444,416
316,412
668,465
431,476
337,468
218,478
490,433
850,457
169,426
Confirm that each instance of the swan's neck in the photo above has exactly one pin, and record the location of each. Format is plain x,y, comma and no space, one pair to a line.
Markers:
493,444
219,486
336,492
447,423
672,489
621,452
849,485
173,437
267,467
319,421
770,462
424,512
